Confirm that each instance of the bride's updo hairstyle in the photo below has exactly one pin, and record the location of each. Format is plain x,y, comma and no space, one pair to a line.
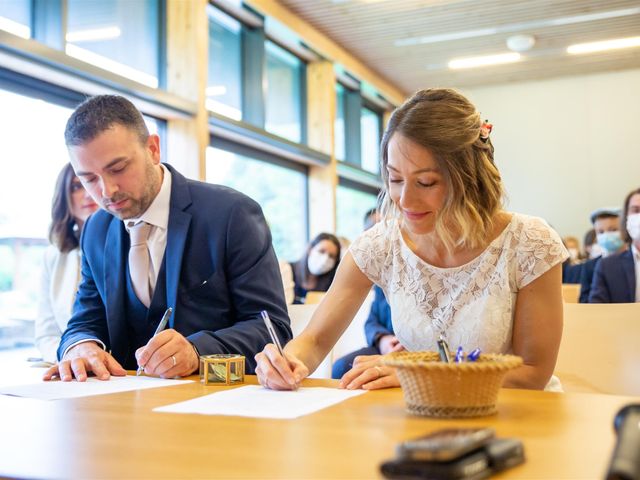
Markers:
447,124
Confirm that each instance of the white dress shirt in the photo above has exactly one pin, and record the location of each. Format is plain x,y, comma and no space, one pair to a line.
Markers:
157,215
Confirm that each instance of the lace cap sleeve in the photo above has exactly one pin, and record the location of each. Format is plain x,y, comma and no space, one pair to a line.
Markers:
539,248
371,251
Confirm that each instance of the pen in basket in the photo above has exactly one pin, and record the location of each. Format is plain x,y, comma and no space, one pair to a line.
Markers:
443,350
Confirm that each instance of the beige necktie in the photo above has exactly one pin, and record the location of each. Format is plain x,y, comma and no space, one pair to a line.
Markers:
139,260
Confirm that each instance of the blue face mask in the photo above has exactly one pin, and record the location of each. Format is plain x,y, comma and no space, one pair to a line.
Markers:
610,241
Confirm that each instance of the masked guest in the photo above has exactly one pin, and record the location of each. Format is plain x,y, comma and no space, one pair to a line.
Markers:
615,279
606,223
316,269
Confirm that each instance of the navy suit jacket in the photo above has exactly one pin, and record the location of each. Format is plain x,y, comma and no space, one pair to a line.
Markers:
379,320
221,271
614,280
571,273
586,278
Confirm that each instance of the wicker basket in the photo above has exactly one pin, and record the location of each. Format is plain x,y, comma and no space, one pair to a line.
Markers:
437,389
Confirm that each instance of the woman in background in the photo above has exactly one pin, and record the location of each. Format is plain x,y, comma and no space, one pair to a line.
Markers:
70,208
316,269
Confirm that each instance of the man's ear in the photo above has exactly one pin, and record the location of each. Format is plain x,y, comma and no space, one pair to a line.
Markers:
153,145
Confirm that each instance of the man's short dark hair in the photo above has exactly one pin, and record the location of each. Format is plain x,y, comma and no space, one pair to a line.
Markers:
99,113
609,212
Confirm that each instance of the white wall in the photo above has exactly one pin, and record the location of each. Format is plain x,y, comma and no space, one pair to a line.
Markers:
566,146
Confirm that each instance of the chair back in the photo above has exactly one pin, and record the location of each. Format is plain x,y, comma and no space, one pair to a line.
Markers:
571,292
352,339
599,350
314,297
300,315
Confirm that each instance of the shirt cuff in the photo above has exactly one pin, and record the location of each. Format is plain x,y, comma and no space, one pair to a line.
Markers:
99,342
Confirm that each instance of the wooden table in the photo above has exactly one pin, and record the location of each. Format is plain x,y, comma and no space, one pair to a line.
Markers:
118,436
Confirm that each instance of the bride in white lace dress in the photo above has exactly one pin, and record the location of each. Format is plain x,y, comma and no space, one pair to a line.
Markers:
450,260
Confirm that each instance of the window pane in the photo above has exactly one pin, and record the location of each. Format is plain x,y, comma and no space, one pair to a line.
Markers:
15,17
338,138
283,102
351,205
26,189
370,140
224,88
281,192
118,35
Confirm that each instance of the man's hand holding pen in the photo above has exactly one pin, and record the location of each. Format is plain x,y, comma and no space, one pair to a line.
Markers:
168,354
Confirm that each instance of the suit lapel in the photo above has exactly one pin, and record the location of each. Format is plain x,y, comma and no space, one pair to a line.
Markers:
115,253
177,232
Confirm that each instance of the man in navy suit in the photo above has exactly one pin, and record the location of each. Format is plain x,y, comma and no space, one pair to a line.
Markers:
208,255
615,279
609,238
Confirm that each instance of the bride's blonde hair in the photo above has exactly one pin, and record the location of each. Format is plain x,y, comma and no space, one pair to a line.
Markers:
447,124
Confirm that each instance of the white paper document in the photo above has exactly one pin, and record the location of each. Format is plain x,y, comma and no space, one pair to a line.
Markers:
55,390
257,401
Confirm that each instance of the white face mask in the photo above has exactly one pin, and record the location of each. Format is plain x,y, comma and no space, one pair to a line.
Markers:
573,253
596,251
633,226
319,263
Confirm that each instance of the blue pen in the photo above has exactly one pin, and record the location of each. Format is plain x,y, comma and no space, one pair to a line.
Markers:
474,355
459,355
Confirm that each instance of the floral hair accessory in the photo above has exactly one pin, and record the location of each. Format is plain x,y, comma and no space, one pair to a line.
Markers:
485,130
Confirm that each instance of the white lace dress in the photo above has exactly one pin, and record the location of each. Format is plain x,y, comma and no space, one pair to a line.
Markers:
471,305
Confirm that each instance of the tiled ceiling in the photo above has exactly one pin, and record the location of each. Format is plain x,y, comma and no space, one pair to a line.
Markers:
410,42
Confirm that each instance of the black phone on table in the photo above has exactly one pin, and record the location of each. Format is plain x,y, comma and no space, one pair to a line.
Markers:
444,445
495,455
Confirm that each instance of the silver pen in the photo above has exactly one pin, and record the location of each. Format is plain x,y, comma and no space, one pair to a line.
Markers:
161,325
274,336
272,332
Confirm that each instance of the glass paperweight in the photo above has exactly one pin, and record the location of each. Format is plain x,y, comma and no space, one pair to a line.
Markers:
222,369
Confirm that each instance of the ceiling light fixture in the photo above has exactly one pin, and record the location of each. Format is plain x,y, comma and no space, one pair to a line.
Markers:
521,43
518,27
472,62
604,45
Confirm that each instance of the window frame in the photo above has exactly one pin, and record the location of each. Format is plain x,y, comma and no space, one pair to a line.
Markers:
303,100
36,58
372,107
256,153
